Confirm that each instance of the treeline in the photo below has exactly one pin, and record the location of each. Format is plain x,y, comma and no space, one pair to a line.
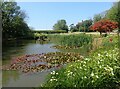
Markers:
112,14
14,24
13,21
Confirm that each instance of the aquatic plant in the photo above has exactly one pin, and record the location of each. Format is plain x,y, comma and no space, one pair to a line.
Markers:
76,40
40,62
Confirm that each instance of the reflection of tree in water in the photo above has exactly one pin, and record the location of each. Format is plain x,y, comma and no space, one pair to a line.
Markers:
8,75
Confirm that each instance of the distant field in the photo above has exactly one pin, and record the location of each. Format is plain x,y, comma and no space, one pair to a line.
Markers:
95,33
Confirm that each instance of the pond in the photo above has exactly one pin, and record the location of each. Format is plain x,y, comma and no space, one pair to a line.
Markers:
14,49
23,47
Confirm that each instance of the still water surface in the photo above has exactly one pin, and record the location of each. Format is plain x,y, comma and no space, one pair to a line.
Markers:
18,48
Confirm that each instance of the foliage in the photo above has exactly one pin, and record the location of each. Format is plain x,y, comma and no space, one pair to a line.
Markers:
113,12
104,26
13,23
97,18
61,25
73,28
84,25
77,40
101,69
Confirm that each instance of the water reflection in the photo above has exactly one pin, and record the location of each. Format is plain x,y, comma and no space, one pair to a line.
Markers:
8,76
22,47
17,48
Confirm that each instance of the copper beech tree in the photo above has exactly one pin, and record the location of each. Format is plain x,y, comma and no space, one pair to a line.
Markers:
104,26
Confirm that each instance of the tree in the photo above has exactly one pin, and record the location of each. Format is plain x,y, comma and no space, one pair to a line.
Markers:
97,18
73,28
114,13
61,25
104,26
84,25
13,22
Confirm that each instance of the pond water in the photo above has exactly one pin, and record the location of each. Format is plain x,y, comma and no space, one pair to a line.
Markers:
17,48
13,49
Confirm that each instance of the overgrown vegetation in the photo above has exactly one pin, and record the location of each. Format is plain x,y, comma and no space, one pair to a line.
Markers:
101,69
72,40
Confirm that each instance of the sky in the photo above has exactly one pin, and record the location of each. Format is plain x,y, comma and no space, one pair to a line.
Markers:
43,15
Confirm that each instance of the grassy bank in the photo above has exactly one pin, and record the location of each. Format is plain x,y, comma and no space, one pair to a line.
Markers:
101,69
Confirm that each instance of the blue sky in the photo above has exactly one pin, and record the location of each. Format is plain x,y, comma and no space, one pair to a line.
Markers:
43,15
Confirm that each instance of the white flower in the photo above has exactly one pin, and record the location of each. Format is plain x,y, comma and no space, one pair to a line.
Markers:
52,77
78,60
99,55
97,76
92,74
56,73
70,73
98,62
84,62
111,69
100,66
86,59
84,65
53,72
112,73
85,77
51,80
107,54
80,67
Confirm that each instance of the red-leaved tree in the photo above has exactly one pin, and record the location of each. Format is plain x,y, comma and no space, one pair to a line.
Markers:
104,26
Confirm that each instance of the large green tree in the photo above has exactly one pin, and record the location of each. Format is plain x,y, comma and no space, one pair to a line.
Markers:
13,21
61,25
114,13
97,18
73,28
84,25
